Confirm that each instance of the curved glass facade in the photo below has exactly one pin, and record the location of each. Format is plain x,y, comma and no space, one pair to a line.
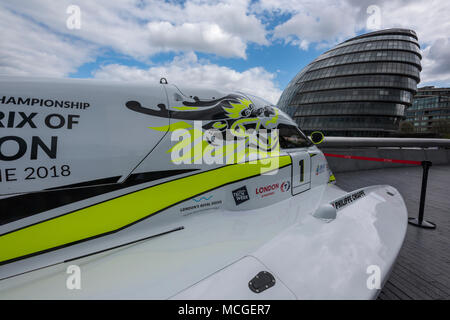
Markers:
361,87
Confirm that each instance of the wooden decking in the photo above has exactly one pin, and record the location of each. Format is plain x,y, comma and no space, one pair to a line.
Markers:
422,270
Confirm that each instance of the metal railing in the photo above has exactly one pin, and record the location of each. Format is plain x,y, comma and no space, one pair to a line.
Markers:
414,149
354,142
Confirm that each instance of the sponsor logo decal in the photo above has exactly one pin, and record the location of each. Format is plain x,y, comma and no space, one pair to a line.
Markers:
269,190
201,204
348,199
202,198
240,195
321,168
285,186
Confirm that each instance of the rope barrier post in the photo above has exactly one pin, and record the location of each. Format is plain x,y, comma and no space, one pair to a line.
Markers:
419,222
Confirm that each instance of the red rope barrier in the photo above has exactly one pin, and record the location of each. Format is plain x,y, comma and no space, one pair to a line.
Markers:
373,159
419,222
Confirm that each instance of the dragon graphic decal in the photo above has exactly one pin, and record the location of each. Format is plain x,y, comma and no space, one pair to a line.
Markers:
231,127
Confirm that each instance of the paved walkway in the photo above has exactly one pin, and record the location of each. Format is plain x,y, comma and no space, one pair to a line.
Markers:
422,270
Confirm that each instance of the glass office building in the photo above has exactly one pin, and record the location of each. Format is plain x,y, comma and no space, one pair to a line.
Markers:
361,87
430,107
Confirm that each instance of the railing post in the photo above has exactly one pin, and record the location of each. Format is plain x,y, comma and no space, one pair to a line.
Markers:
419,222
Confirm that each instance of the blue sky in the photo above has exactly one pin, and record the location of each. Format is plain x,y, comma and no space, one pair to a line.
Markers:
256,46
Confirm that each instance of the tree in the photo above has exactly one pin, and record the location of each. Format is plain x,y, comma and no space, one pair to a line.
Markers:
406,127
442,128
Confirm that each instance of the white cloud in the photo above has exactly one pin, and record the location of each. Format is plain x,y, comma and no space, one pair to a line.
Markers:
232,16
317,23
204,37
143,28
187,69
30,50
436,62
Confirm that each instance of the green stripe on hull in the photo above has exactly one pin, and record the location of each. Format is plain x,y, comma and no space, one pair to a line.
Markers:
118,213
